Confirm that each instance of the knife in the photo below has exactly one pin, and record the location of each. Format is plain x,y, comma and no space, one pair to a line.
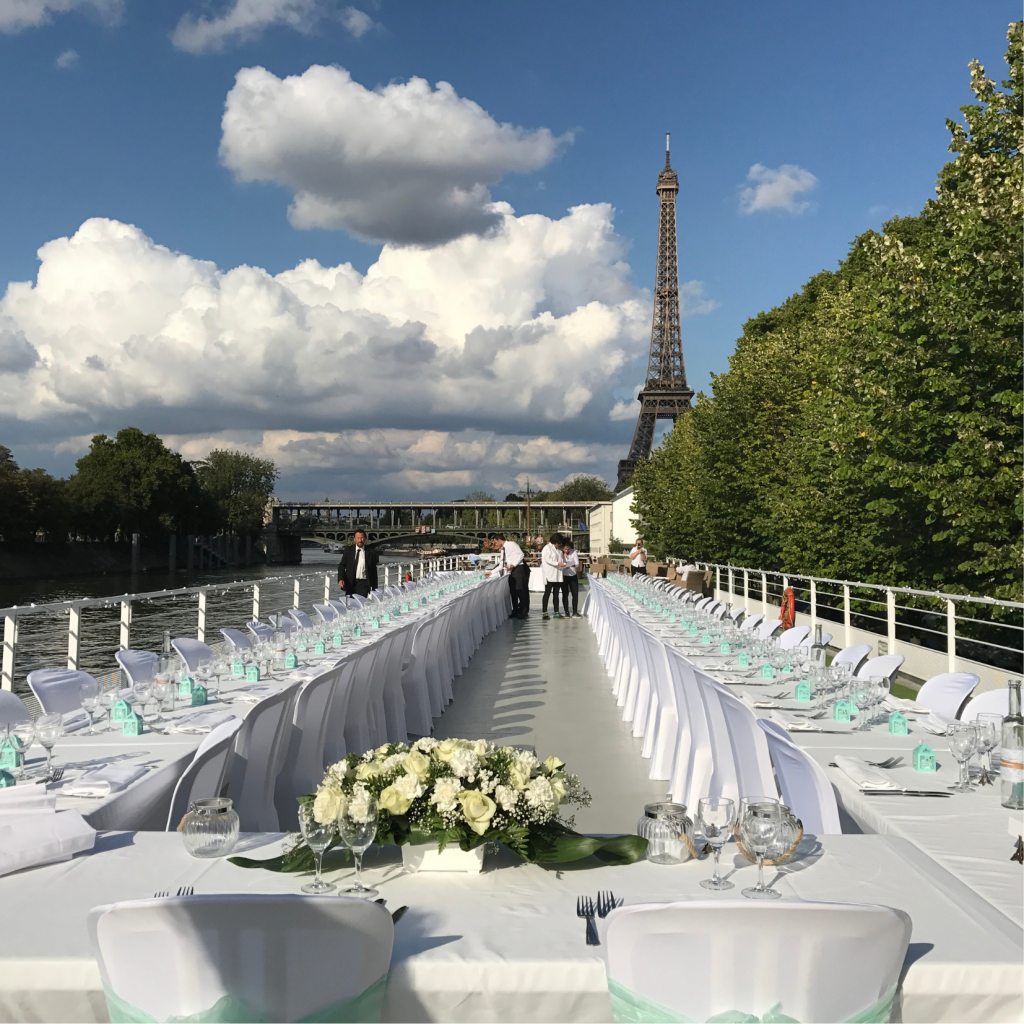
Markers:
904,792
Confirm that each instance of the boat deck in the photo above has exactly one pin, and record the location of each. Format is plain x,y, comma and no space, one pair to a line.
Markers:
543,684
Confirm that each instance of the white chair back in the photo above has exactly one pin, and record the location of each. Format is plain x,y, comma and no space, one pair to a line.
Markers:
205,776
12,709
56,689
887,665
751,622
302,620
710,957
236,639
769,627
260,630
334,743
193,652
261,957
854,656
325,612
793,637
993,702
806,790
136,665
947,692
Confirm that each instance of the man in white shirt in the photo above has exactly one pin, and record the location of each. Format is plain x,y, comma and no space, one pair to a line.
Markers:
357,571
552,560
511,564
638,558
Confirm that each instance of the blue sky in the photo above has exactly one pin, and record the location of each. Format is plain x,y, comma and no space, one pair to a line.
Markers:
126,127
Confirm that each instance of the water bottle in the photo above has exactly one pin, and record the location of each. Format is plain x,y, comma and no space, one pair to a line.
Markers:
818,648
280,643
1011,765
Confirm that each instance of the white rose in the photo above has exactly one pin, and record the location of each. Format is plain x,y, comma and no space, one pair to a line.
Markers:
444,750
329,803
479,747
477,809
519,775
506,797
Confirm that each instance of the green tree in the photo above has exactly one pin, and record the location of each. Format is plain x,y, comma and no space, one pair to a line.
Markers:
14,504
583,487
478,496
240,485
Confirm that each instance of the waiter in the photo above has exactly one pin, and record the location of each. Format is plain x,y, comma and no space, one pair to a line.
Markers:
512,564
357,570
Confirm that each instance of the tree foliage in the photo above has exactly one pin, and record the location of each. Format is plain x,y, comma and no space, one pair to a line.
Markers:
240,485
581,487
870,426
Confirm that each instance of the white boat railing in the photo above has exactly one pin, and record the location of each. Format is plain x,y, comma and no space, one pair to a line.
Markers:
283,592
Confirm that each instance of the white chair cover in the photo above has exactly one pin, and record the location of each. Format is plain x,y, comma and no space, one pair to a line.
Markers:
994,702
794,637
769,627
260,630
735,956
193,652
56,689
243,958
12,709
302,620
751,622
205,776
334,742
854,655
136,665
325,612
806,789
887,665
236,639
947,691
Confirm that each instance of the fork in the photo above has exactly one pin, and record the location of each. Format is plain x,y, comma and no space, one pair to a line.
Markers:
585,908
161,894
606,902
889,762
186,890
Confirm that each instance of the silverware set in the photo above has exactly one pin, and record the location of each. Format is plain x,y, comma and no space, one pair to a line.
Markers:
889,762
591,910
55,776
184,890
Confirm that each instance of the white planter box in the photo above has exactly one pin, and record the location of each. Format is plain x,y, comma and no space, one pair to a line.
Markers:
424,857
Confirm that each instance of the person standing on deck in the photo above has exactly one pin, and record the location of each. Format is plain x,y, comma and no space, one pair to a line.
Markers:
638,558
551,564
357,570
570,579
513,565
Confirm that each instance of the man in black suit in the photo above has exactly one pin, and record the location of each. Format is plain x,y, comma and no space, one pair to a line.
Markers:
357,571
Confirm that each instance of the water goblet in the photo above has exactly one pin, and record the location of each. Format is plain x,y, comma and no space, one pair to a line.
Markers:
882,691
963,742
357,826
89,695
760,820
108,694
26,734
141,692
716,818
318,837
49,729
161,687
989,727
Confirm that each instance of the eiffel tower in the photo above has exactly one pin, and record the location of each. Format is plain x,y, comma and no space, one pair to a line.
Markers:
665,394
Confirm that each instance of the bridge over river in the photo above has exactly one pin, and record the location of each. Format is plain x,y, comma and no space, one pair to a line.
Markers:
450,522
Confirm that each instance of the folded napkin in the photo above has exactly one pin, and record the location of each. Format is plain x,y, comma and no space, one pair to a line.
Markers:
75,720
22,800
252,694
101,782
935,723
201,721
892,703
796,724
864,775
36,839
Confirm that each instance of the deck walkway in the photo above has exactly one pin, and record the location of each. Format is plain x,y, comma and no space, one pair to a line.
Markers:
544,684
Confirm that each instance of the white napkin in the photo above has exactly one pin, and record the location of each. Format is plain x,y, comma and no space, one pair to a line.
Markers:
75,720
26,842
201,721
22,800
892,703
935,723
251,694
795,724
101,782
864,775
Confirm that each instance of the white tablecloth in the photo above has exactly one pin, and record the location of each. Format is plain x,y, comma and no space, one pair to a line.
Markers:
506,945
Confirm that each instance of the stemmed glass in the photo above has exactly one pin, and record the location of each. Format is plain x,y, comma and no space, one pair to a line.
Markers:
161,690
963,742
760,820
357,825
26,733
49,729
989,727
108,694
716,818
89,695
882,689
318,837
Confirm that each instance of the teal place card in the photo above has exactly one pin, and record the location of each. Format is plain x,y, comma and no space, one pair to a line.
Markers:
132,726
705,638
291,660
185,686
767,672
743,659
11,753
405,607
120,711
724,647
802,692
386,617
672,617
841,711
7,779
238,668
320,647
252,674
358,631
337,639
898,724
923,758
693,629
375,623
199,696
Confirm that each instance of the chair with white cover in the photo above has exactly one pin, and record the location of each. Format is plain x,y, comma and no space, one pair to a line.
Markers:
339,606
334,740
992,702
57,689
12,709
325,612
260,747
137,666
947,692
793,637
285,623
855,655
237,640
886,666
769,627
751,769
359,600
359,725
808,641
193,652
718,959
243,957
751,622
206,774
260,630
302,620
805,787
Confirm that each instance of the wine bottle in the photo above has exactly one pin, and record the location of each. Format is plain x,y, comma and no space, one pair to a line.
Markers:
1011,765
818,648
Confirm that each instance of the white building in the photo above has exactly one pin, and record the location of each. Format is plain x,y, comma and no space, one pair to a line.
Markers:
614,518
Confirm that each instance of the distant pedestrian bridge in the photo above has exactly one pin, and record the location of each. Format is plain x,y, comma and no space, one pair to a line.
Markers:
335,522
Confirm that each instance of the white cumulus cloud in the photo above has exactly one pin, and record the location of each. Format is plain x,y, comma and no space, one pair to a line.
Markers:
404,163
776,189
242,21
17,15
67,59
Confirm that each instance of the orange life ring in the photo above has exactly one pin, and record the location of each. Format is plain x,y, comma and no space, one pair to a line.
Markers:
788,610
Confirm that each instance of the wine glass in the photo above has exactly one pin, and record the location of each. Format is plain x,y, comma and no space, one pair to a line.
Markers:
760,821
357,825
989,727
318,837
882,690
716,818
49,729
26,734
140,693
161,687
108,694
963,742
89,695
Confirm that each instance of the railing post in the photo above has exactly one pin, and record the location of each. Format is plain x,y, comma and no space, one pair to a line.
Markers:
201,630
10,650
764,592
746,587
718,580
295,593
730,583
126,624
814,603
74,635
256,602
327,588
951,633
847,618
890,601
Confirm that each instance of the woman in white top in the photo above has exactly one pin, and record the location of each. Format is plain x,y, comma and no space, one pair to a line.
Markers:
551,562
570,579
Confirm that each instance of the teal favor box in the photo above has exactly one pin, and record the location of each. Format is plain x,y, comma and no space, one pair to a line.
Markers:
186,684
405,608
132,726
7,779
802,692
724,648
321,647
841,711
898,724
705,638
198,696
121,711
12,754
923,758
237,668
743,659
693,629
252,674
375,623
291,660
767,672
337,639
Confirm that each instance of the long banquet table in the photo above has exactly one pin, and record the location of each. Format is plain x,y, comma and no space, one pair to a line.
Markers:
506,945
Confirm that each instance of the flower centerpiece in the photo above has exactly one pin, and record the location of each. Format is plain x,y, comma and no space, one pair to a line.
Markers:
463,792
